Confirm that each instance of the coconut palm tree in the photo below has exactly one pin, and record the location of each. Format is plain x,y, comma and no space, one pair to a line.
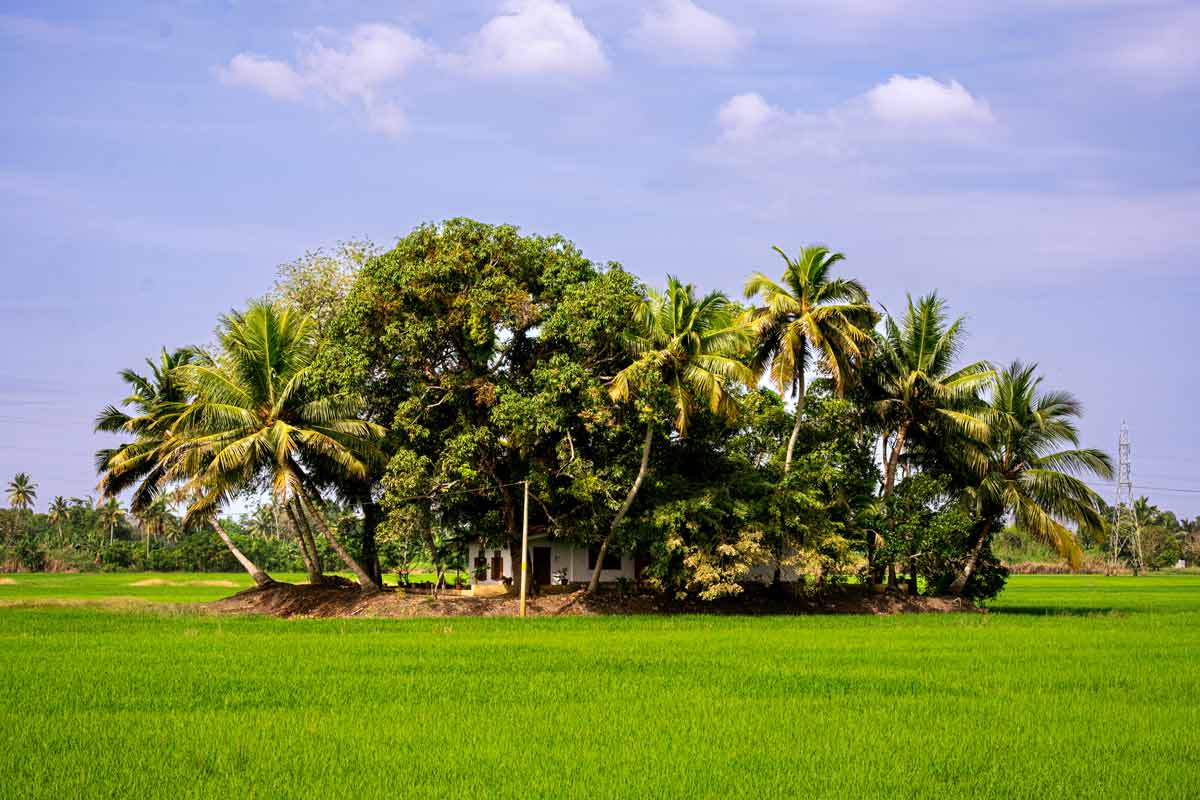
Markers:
22,493
695,349
257,418
809,318
153,404
153,519
1028,473
153,462
920,394
58,512
918,390
111,514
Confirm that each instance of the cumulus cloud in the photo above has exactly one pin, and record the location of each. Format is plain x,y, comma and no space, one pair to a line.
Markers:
922,99
533,38
877,129
742,115
359,67
682,30
271,77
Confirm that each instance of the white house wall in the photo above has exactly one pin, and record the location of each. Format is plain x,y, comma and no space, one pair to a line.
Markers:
563,556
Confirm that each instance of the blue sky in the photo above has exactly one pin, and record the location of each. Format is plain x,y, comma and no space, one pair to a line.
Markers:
1034,161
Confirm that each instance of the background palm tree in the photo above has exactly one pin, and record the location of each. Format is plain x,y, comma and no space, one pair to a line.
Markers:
111,515
808,317
694,349
153,519
1028,475
58,512
22,494
256,418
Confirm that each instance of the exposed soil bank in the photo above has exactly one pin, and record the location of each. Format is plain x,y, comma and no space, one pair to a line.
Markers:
290,600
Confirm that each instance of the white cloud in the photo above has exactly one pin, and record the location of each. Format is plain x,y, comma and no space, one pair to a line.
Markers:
683,30
922,99
534,38
275,78
359,68
900,113
742,115
362,60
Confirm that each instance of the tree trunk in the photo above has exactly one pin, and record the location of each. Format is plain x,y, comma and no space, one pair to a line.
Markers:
372,516
777,578
365,582
260,578
311,565
889,472
960,582
912,572
889,483
594,583
435,556
310,540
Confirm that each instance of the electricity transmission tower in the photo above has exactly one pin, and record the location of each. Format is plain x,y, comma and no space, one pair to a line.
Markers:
1126,534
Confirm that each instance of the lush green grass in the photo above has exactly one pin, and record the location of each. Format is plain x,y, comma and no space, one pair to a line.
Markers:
1071,687
149,587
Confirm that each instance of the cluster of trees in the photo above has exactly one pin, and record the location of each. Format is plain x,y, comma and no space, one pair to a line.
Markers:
423,384
80,533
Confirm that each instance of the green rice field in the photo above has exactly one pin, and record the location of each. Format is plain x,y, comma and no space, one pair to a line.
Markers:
1072,686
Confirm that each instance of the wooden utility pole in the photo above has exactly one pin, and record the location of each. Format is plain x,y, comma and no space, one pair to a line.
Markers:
524,547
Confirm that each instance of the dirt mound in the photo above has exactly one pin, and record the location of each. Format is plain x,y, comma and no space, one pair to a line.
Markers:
290,600
7,582
153,582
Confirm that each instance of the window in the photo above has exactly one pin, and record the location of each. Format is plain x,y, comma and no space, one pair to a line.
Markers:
497,565
611,560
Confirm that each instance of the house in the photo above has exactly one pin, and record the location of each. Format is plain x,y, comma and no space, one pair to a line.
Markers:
552,562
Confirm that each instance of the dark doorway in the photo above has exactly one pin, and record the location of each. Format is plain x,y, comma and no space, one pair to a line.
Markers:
541,566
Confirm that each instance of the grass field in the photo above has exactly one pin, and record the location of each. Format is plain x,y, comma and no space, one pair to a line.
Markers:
1071,686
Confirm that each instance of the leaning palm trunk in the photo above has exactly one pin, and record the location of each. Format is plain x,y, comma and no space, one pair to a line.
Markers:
960,583
311,565
260,578
594,583
365,581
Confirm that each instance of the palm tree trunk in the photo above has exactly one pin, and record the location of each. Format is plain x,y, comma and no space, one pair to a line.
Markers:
310,564
889,471
260,578
777,578
791,448
889,483
594,583
365,582
310,541
960,582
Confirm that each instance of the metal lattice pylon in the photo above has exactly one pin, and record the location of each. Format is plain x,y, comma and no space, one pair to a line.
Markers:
1125,542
